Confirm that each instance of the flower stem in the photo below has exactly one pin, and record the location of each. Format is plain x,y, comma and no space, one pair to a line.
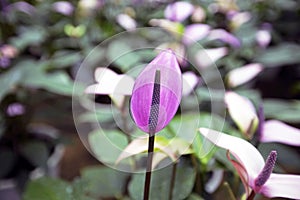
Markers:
173,177
149,166
251,196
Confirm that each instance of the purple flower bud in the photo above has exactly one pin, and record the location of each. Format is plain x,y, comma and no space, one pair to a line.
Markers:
15,109
224,36
178,11
267,170
4,62
63,7
157,93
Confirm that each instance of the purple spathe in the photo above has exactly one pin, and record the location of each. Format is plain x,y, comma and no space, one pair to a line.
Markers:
170,90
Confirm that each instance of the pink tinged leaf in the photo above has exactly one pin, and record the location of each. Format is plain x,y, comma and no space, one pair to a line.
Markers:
263,38
199,14
140,145
242,112
189,81
110,82
178,11
242,173
239,18
220,34
21,6
246,154
195,32
215,181
243,74
170,90
277,131
282,185
126,22
205,58
63,7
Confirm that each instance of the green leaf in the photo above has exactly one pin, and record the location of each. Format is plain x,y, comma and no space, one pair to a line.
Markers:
79,189
122,55
8,80
160,182
36,152
185,126
100,117
194,196
283,54
64,59
7,159
208,95
57,82
140,145
30,36
107,145
104,182
224,191
287,157
284,110
48,189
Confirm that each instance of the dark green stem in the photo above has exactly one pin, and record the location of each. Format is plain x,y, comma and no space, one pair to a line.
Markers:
251,196
149,166
173,178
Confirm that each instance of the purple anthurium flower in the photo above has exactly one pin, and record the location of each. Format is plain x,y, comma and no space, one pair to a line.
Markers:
206,57
126,22
243,74
178,11
63,7
263,36
195,32
21,6
255,173
15,109
243,113
221,34
157,93
277,131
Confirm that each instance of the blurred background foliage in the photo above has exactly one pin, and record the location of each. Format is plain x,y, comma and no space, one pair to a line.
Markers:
42,45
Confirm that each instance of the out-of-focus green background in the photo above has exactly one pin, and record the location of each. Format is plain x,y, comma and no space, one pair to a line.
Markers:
43,44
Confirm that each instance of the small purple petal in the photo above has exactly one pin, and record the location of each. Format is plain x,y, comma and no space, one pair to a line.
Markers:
4,62
63,7
266,172
206,57
282,185
195,32
8,51
126,22
15,109
21,6
220,34
277,131
169,92
178,11
243,113
243,74
189,81
263,38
